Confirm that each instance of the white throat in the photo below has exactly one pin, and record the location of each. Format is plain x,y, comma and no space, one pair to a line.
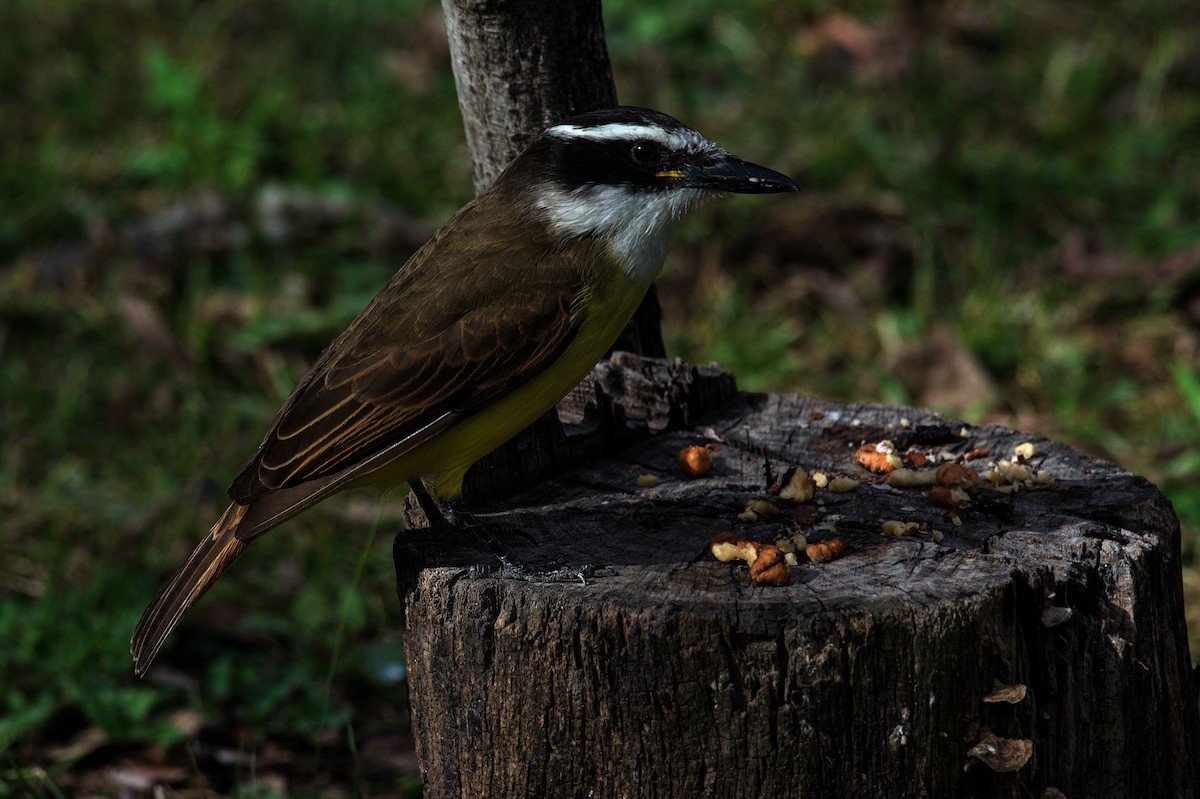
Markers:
637,224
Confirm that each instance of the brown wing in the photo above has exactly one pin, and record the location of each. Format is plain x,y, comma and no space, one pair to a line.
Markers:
442,338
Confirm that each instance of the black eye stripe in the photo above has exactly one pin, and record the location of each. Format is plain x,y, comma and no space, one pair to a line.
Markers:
614,162
644,152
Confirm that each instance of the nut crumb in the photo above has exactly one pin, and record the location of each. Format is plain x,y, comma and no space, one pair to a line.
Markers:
695,461
949,497
824,550
955,474
758,509
768,564
879,458
800,487
1008,473
843,485
910,478
770,567
898,529
1025,451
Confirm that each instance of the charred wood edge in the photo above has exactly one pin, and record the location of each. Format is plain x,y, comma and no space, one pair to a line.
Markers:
625,399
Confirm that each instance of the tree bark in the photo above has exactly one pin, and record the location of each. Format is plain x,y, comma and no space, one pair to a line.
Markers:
521,66
1039,645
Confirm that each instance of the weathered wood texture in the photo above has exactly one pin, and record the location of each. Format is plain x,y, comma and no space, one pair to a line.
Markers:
521,66
865,676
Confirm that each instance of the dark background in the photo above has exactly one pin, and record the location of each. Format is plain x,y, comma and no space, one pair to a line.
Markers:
1000,219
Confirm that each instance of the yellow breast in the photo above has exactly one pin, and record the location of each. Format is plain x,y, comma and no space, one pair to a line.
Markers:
605,309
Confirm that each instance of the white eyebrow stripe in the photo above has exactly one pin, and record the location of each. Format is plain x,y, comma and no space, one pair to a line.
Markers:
622,131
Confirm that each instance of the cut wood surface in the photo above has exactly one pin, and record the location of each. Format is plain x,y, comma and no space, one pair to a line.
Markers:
1039,644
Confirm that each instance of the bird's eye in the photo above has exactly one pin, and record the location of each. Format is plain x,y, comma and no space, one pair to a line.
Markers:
644,152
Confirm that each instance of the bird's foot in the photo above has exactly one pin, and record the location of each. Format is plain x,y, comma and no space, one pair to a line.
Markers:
453,517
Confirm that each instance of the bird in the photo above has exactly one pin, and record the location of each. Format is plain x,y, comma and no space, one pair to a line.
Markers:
487,326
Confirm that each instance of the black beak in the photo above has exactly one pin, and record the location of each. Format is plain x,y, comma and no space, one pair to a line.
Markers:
741,177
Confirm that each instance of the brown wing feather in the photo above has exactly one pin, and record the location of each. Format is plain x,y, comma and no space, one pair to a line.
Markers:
484,306
208,561
437,340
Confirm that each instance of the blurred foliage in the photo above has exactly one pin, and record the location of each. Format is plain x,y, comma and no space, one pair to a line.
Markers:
195,197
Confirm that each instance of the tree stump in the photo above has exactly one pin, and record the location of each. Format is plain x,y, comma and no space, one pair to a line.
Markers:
1038,646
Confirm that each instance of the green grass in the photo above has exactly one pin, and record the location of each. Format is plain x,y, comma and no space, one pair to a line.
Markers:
1021,175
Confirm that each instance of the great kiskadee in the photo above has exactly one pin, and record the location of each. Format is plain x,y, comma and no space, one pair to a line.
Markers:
483,330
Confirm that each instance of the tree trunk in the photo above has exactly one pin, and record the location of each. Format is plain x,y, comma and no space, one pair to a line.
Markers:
521,66
1038,645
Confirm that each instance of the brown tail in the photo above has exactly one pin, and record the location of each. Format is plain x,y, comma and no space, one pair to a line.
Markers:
208,562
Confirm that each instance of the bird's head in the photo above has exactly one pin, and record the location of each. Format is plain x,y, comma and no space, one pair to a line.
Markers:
627,175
